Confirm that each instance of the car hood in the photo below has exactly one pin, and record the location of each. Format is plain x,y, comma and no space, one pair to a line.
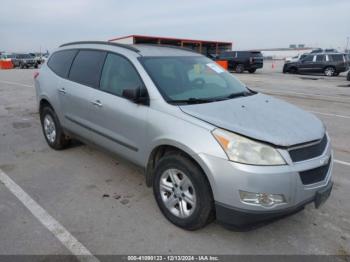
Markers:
261,117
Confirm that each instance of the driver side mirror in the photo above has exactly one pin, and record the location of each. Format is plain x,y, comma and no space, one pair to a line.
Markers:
137,95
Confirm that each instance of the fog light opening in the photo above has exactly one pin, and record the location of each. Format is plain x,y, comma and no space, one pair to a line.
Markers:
262,199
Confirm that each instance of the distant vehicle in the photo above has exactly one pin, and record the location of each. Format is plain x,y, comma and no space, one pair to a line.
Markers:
331,64
8,57
240,61
38,57
296,58
24,61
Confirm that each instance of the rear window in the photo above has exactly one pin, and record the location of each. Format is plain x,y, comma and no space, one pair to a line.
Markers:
337,58
61,61
227,55
87,66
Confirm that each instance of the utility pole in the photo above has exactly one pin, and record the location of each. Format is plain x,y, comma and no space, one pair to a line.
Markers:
347,45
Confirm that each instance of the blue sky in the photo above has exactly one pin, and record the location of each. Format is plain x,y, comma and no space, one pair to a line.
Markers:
29,25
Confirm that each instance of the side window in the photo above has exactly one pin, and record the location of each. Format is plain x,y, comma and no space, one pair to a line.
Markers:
308,58
337,58
118,74
61,61
320,58
87,66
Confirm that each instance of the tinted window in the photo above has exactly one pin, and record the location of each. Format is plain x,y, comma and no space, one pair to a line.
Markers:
320,58
242,54
61,61
336,58
256,54
118,74
227,55
87,66
308,58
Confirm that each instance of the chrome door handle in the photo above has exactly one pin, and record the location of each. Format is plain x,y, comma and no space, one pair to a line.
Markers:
62,90
97,103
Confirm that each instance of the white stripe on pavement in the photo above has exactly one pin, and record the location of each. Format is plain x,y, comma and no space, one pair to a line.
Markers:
327,114
273,92
15,83
342,162
66,238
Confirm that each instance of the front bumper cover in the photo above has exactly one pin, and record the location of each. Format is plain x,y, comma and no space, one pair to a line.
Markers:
237,218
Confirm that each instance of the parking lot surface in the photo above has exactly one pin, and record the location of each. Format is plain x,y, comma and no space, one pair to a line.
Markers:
101,200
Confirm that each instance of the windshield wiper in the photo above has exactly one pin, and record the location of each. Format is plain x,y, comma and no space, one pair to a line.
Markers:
240,94
192,100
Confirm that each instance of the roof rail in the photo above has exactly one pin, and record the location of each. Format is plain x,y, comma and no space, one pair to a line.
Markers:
102,43
169,46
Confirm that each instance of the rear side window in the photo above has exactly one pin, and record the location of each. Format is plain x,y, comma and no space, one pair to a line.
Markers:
87,66
119,74
61,61
320,58
337,58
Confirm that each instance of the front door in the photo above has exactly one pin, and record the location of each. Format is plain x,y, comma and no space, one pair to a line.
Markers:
306,64
120,125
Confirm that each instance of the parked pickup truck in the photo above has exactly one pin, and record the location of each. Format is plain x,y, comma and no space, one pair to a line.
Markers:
240,61
24,61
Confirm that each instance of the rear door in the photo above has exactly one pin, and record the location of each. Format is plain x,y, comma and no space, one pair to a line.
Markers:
319,63
118,123
77,93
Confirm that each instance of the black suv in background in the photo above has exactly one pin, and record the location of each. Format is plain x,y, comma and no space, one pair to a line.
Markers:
330,64
24,61
241,61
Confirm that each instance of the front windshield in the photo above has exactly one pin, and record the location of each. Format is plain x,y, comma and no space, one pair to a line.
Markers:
191,78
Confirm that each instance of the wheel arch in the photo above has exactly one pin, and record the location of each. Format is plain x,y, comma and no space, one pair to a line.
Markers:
170,148
44,102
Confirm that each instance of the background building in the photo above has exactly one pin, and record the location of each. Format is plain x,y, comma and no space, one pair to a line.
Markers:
205,47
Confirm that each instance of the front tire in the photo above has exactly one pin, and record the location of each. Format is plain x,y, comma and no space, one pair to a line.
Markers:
52,129
182,192
252,71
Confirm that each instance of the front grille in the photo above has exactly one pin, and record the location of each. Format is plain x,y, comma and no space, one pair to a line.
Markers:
315,175
308,152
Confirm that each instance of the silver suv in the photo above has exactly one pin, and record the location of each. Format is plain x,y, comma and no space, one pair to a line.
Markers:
210,147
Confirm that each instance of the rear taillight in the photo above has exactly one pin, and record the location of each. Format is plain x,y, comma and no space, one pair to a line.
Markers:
36,74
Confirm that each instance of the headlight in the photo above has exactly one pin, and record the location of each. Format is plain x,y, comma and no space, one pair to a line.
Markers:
243,150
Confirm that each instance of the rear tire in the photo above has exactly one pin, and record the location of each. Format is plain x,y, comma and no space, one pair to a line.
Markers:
182,192
329,71
239,68
52,129
252,71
